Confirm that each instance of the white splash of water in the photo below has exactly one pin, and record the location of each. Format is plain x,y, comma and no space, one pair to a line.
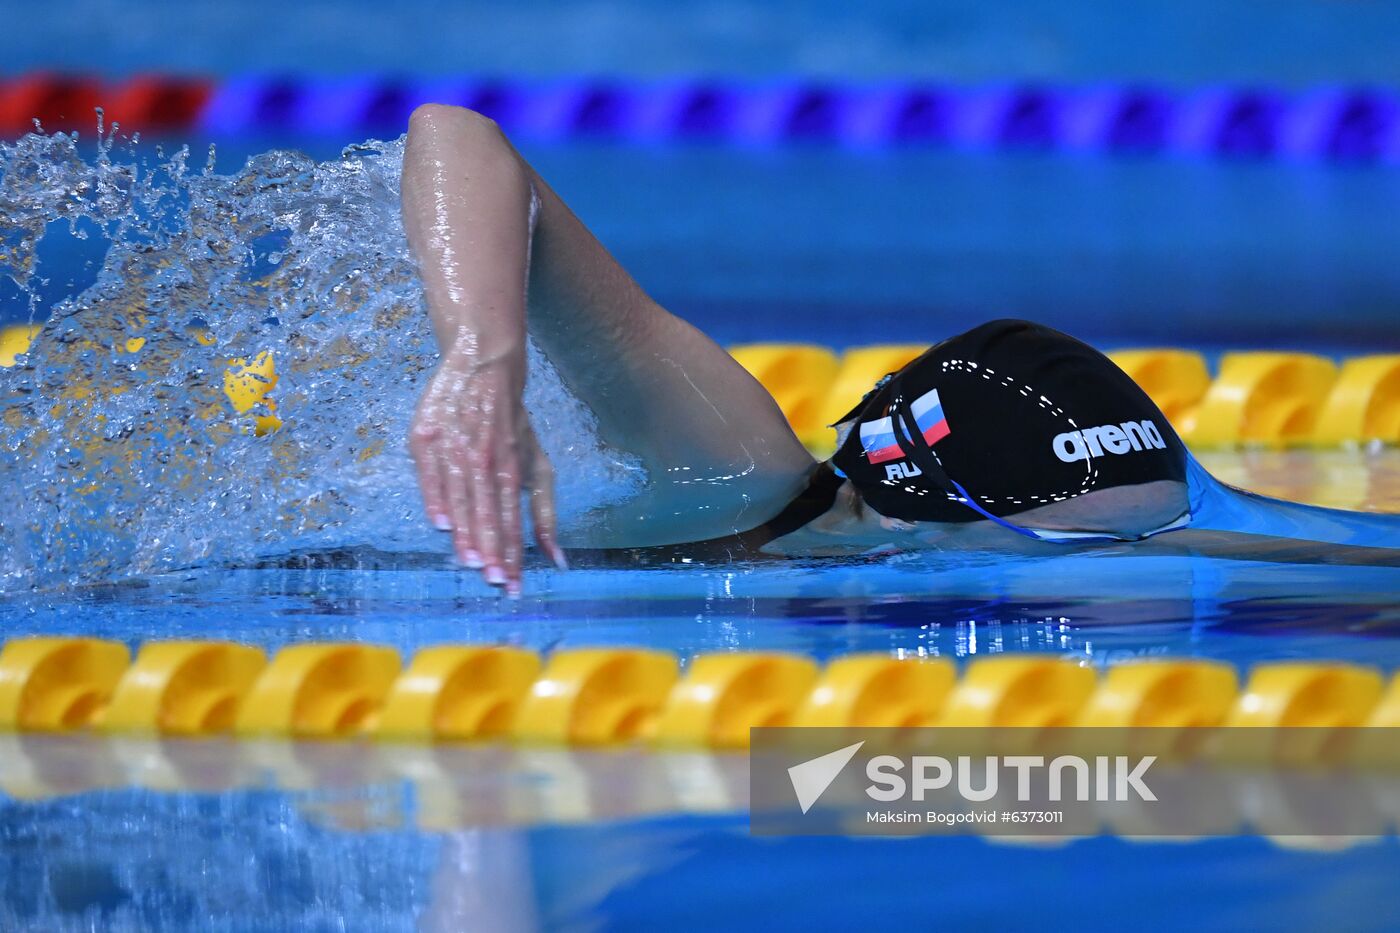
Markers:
120,452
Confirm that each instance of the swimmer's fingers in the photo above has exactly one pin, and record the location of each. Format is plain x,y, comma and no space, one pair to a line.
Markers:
459,491
540,480
508,488
425,448
486,506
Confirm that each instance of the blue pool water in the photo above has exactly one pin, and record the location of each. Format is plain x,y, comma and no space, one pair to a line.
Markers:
1172,42
821,246
835,247
348,836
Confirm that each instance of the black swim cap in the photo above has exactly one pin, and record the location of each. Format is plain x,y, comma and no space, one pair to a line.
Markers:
1007,417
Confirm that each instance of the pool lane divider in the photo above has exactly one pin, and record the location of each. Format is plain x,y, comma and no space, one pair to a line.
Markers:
1258,399
610,697
144,103
1324,123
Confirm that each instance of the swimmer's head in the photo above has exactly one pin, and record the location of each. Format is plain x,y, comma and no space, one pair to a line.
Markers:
1006,418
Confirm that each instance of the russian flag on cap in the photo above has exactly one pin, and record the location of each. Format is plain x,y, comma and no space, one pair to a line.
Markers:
877,437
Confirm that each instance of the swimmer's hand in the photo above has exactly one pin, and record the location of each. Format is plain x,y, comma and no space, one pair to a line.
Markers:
476,452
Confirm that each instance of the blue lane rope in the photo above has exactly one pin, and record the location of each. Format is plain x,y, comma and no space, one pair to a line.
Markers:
1328,123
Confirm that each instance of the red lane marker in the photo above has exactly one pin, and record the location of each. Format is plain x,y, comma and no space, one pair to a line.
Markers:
59,102
150,103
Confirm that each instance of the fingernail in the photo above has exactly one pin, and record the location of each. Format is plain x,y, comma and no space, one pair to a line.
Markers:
471,559
513,589
559,560
495,576
442,523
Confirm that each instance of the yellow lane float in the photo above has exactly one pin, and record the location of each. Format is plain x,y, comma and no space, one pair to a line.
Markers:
1271,399
876,690
1307,694
183,688
1162,694
596,696
723,695
57,684
319,691
1364,405
457,692
1026,691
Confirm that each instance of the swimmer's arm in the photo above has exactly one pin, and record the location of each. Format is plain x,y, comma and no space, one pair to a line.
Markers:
467,217
720,453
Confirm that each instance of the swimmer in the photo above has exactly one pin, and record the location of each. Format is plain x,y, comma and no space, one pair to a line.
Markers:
1011,432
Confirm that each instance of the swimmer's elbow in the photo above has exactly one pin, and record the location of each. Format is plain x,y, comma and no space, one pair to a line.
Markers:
437,119
444,133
